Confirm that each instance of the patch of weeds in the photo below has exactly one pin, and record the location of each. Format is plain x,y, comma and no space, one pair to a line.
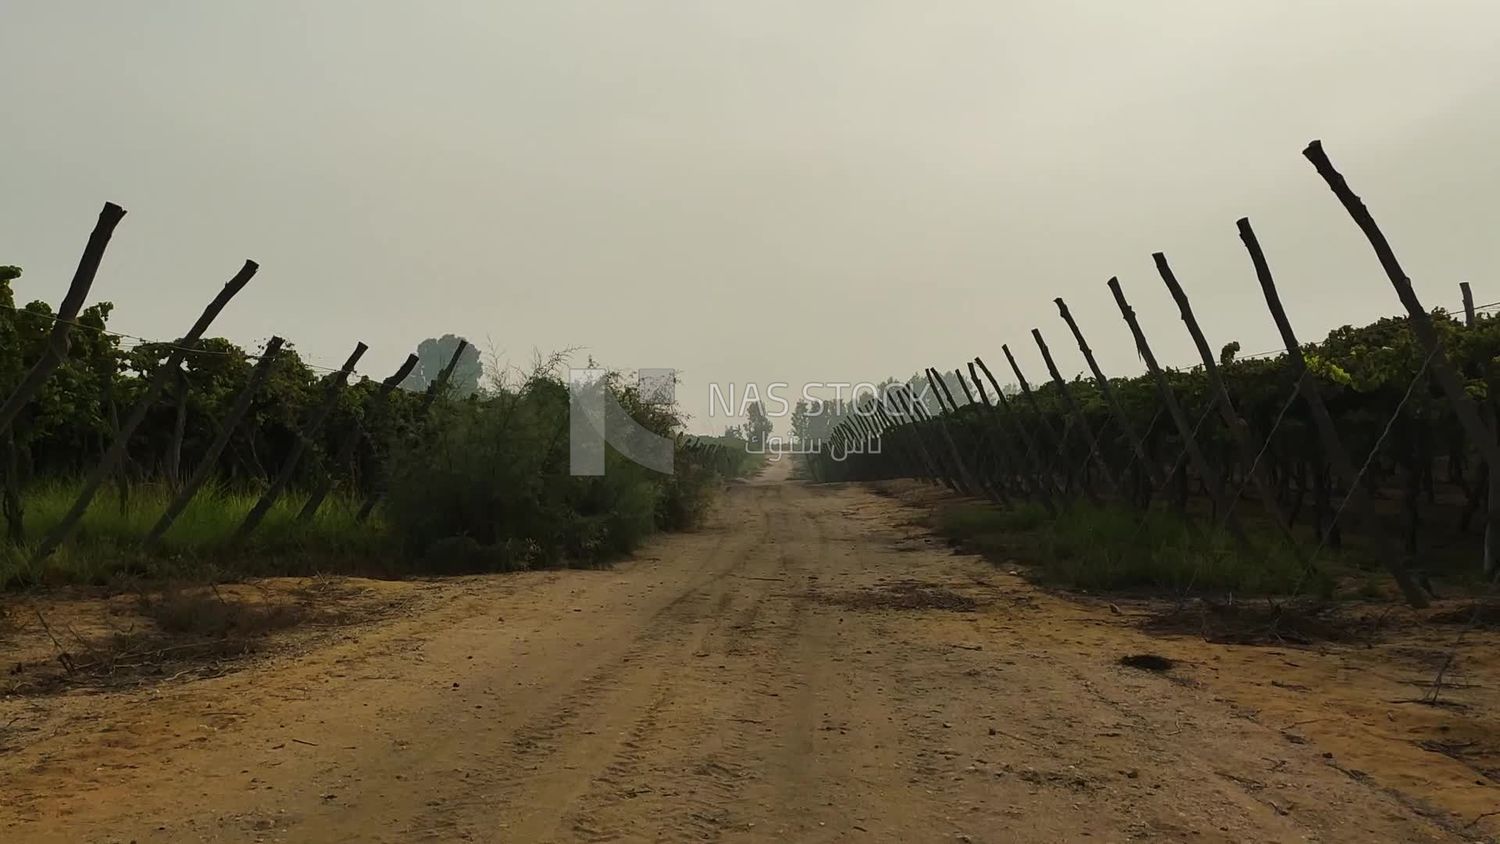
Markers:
1484,614
1267,623
189,631
206,613
1108,548
907,595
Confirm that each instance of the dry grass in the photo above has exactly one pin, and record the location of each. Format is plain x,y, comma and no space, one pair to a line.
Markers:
908,595
1257,623
176,631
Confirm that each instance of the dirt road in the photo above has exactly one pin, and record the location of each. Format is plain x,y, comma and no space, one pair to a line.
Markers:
809,667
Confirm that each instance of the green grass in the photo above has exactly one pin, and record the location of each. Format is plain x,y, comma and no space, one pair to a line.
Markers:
1109,548
108,542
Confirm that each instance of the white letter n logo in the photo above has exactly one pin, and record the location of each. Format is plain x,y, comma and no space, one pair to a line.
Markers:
595,417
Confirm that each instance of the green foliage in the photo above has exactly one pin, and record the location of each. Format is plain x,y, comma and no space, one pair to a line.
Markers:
758,428
1111,548
489,488
107,544
480,482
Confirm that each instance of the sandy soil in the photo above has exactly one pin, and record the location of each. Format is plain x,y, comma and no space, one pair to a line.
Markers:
809,667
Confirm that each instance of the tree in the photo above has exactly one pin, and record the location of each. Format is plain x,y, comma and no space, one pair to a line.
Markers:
433,354
758,428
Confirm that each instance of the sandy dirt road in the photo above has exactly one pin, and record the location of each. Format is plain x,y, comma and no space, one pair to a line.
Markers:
802,669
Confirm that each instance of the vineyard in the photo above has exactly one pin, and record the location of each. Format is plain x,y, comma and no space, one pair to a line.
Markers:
126,456
1371,448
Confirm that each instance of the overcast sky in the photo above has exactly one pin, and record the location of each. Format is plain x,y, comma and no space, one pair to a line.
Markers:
747,191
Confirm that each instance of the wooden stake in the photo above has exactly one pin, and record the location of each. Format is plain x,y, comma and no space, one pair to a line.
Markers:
996,454
1078,417
952,422
351,441
1474,426
210,460
1238,428
966,482
433,391
1142,454
1421,322
1206,471
1333,446
1046,484
67,313
1049,441
69,522
310,430
1030,486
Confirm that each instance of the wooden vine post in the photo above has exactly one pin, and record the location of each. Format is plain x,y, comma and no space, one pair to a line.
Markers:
1030,486
1057,441
309,430
1333,446
1239,430
67,313
117,449
982,454
1137,444
1046,484
1492,474
966,483
907,403
1206,471
1482,435
1077,412
994,449
433,390
351,442
227,425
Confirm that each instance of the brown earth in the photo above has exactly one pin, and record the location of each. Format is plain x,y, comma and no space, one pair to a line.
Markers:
811,666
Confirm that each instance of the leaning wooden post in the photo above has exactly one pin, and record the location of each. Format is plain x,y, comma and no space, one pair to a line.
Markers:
351,441
1333,445
965,481
1206,471
1239,430
995,449
64,528
945,456
1007,447
1046,483
67,313
917,455
1030,397
919,463
1077,412
314,424
1474,426
1421,322
1153,471
981,483
210,459
433,391
1487,411
907,403
437,387
1058,442
179,430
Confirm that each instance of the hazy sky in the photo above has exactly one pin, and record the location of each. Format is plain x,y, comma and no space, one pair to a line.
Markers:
747,191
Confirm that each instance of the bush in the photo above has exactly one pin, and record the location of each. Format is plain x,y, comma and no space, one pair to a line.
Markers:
488,486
